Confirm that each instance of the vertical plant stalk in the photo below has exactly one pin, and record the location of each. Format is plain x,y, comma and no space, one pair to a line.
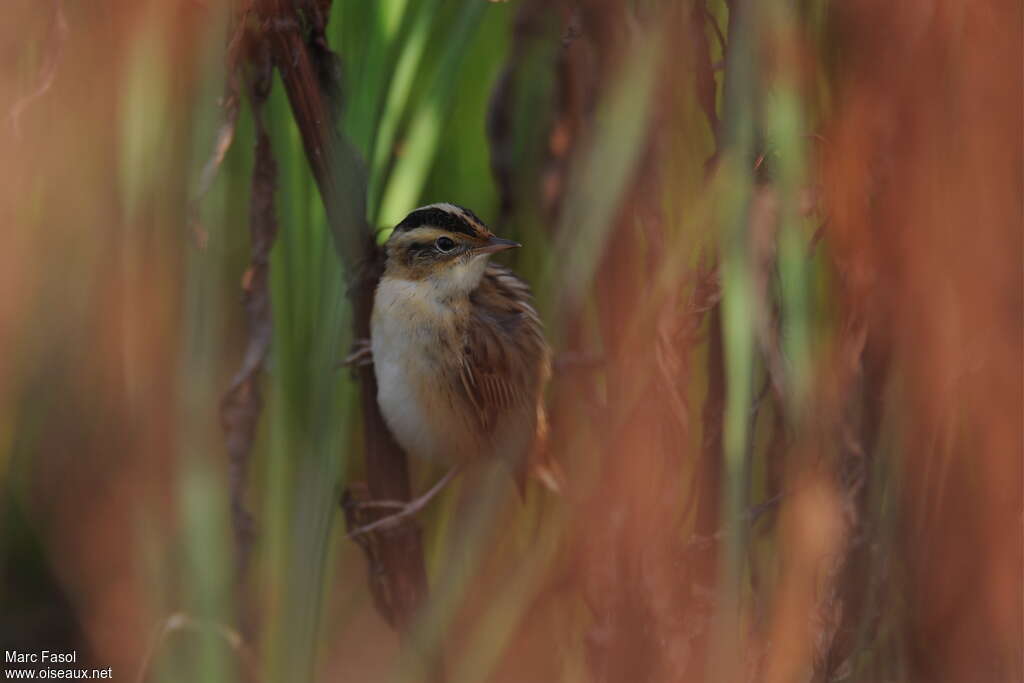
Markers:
709,472
242,404
860,573
309,72
736,138
704,71
522,158
714,401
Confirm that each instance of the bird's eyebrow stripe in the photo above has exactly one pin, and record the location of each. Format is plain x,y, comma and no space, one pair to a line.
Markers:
438,218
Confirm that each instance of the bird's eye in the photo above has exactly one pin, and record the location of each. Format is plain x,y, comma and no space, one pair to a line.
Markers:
445,244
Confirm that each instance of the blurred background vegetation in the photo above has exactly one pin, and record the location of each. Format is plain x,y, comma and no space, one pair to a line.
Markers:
777,248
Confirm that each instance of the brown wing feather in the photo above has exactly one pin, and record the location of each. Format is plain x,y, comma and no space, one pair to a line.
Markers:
505,359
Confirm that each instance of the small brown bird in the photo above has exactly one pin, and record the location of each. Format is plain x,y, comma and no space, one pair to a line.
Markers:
458,351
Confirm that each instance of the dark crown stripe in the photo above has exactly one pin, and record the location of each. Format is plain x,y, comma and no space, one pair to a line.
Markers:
471,216
438,218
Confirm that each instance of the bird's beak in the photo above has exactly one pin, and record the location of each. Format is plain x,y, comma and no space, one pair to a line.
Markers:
496,244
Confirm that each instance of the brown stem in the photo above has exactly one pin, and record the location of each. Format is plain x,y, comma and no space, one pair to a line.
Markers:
242,403
309,72
861,573
705,72
709,475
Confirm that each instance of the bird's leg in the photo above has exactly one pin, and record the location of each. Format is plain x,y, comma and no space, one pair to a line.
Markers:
360,355
405,510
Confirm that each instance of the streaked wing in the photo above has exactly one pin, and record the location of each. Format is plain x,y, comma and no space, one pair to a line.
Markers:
505,359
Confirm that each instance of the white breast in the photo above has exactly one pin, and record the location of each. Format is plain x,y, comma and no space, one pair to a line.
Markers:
398,343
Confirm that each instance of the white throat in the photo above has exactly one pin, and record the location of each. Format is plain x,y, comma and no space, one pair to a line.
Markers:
461,278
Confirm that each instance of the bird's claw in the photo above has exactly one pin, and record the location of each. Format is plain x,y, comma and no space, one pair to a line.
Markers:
360,356
404,510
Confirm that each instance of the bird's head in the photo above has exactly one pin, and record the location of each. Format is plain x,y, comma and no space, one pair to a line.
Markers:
445,244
